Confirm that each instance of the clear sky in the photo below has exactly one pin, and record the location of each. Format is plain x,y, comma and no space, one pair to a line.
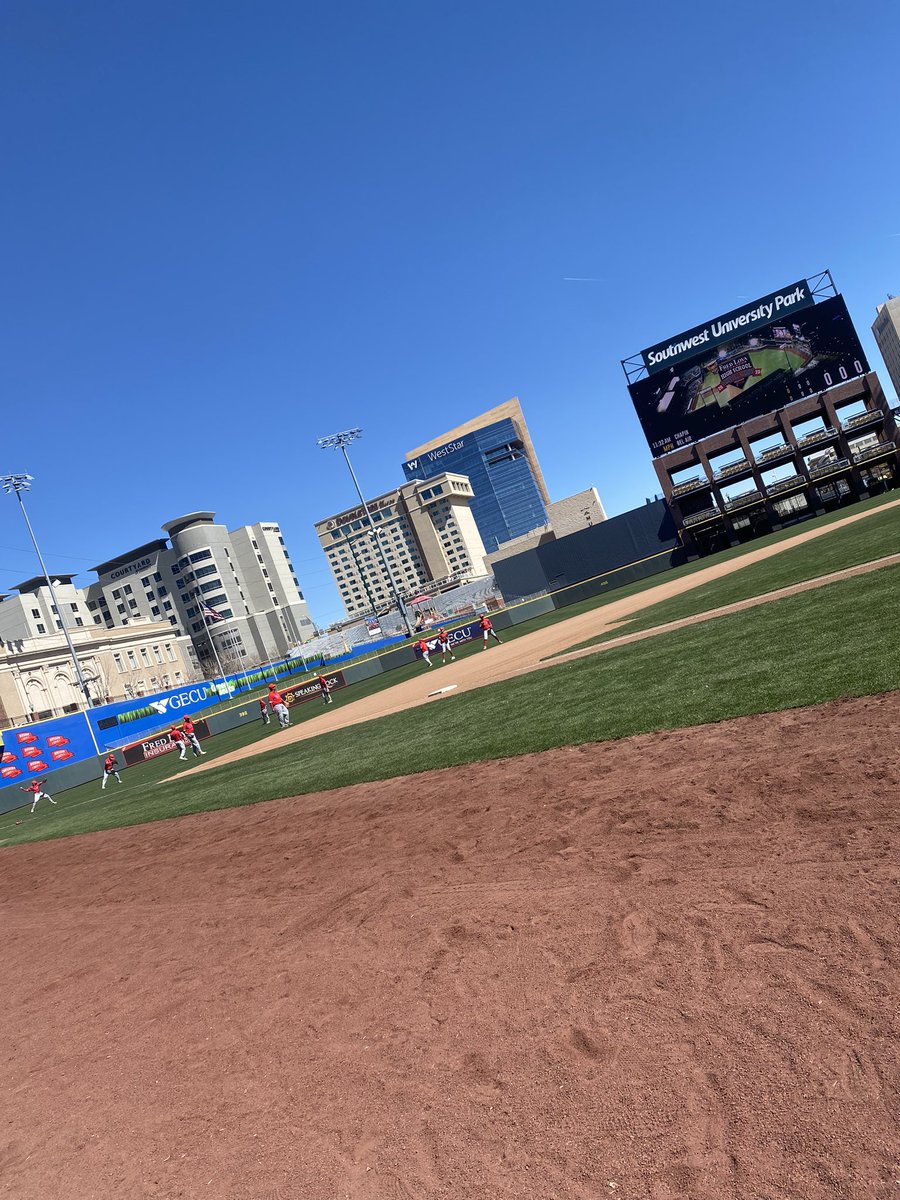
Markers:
232,227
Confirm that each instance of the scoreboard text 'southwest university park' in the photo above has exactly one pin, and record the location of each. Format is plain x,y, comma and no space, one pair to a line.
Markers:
743,364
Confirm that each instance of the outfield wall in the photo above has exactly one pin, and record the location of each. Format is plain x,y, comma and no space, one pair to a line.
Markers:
640,542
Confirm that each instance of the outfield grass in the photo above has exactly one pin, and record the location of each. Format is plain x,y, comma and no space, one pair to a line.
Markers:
381,682
876,537
804,649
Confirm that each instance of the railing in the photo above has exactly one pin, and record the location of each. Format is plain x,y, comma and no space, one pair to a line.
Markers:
830,468
874,452
734,468
870,417
743,500
708,514
785,485
774,452
818,435
689,485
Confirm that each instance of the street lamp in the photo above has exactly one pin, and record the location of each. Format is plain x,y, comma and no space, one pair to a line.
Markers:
340,441
20,484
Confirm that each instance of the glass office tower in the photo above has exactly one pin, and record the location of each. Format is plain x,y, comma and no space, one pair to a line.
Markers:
496,453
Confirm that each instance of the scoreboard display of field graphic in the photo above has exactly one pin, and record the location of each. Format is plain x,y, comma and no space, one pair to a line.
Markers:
732,381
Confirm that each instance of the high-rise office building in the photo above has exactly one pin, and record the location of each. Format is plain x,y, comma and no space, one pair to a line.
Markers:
428,537
887,334
245,577
495,452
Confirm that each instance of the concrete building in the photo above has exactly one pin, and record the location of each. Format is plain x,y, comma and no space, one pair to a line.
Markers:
569,515
887,334
428,535
245,576
37,676
495,452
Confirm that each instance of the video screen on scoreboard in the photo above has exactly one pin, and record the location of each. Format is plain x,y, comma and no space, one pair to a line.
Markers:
798,355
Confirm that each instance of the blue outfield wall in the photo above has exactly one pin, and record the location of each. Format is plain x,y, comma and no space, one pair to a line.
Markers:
47,746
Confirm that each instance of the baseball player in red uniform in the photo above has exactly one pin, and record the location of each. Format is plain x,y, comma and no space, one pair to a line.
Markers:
109,768
276,700
187,728
325,690
264,710
422,647
35,787
487,629
176,736
444,643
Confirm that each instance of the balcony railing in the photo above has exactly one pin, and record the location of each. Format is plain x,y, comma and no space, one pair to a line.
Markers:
743,500
871,452
700,518
818,435
689,485
734,468
861,420
774,452
785,485
835,467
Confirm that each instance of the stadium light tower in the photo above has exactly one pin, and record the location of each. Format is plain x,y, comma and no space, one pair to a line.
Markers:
340,441
19,484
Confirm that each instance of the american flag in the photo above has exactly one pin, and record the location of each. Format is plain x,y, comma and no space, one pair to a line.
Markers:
210,613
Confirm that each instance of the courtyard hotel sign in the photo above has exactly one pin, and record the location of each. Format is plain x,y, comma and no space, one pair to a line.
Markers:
140,565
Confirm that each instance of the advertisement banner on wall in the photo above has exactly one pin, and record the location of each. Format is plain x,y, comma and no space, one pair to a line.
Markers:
761,369
43,748
311,689
159,744
455,637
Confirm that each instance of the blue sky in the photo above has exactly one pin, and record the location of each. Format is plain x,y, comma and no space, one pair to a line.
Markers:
230,228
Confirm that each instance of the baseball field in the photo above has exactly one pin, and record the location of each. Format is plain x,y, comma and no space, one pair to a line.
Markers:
615,916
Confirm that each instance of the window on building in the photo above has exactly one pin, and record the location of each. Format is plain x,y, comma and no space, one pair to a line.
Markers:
226,612
127,589
145,656
98,620
132,604
78,621
210,586
132,661
173,620
157,576
157,654
167,605
202,572
197,626
117,594
120,666
199,556
162,591
120,608
176,569
154,611
146,581
41,629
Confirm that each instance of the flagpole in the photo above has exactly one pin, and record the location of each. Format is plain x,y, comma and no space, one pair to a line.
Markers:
202,603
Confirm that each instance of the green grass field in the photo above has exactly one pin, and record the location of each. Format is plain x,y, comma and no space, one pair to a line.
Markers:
874,538
767,361
804,649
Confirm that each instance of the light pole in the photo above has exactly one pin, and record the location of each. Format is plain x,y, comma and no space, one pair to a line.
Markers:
340,441
20,484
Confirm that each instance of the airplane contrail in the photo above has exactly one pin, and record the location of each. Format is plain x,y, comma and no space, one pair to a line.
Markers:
583,279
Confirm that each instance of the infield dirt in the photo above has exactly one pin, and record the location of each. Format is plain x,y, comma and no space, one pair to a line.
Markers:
658,969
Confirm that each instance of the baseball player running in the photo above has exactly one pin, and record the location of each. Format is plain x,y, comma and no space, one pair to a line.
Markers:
487,629
176,736
276,700
110,763
189,731
35,787
422,647
264,710
325,690
444,643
